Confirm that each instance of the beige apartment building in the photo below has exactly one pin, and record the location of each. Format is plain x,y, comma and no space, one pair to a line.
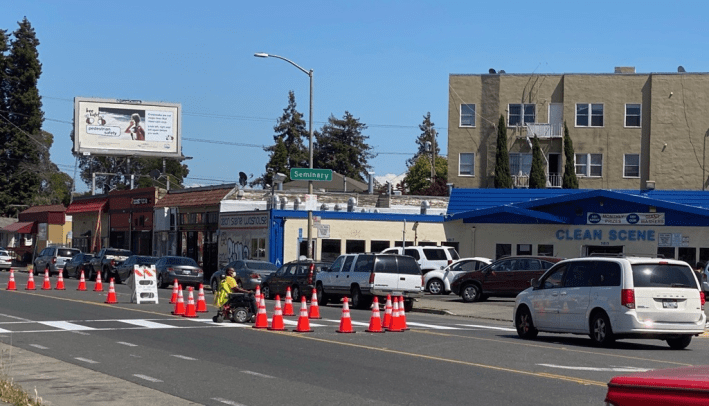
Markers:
629,130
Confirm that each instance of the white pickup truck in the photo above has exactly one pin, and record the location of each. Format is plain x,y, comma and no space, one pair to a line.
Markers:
363,276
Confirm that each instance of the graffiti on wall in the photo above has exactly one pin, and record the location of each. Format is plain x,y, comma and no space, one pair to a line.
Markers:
237,250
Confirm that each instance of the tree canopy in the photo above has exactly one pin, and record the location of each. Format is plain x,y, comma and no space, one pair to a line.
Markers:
570,181
342,147
503,179
428,133
537,175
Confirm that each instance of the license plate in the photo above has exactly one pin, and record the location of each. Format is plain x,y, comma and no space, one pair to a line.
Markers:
189,272
669,304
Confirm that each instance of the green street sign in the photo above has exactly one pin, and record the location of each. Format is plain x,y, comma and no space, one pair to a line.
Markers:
322,175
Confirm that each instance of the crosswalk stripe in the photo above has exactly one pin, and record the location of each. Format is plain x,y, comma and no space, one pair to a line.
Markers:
488,327
431,326
146,323
65,325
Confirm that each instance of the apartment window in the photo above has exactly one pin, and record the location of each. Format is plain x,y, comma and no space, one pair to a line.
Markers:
631,165
520,164
467,115
589,115
632,115
466,166
518,112
589,165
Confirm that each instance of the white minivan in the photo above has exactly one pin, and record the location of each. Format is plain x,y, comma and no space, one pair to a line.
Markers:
610,298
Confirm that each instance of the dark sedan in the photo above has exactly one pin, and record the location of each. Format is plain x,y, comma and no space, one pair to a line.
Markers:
299,276
125,269
76,264
184,270
505,277
249,273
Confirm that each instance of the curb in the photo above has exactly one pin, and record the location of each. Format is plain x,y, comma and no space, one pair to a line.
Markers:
449,313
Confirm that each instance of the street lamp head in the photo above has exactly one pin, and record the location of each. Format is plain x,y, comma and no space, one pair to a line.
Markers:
261,55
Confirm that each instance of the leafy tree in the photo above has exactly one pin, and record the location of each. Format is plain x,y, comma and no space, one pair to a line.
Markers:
428,133
342,147
570,181
537,176
277,163
418,178
291,130
503,179
5,164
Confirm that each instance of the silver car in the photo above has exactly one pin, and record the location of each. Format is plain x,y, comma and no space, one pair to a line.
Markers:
53,258
183,269
5,259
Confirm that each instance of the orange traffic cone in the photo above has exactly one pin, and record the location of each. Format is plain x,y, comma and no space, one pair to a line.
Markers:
288,309
46,285
30,282
82,282
314,309
98,286
277,320
111,297
386,323
173,299
345,320
395,319
303,322
402,314
201,302
375,322
11,282
190,311
258,294
261,317
179,304
60,281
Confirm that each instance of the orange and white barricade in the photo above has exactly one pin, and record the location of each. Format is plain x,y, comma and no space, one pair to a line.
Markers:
144,284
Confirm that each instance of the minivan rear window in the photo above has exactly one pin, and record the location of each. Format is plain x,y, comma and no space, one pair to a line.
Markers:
67,253
663,276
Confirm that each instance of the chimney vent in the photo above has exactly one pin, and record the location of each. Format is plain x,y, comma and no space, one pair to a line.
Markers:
625,69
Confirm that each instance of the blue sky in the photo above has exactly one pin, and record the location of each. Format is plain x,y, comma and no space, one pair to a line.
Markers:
386,62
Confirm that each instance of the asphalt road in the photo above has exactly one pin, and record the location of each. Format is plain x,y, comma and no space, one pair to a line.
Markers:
75,349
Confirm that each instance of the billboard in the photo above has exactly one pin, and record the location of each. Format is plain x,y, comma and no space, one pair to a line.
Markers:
127,128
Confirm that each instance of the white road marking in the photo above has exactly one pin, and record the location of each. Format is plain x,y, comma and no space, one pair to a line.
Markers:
488,327
432,326
295,323
41,347
27,320
184,357
147,378
257,374
125,343
228,402
354,323
146,323
90,361
612,369
65,325
3,331
80,333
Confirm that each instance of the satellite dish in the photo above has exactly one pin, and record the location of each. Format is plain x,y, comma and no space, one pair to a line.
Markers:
154,174
680,69
492,71
242,179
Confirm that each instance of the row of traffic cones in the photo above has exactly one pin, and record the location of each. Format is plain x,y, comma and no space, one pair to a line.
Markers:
12,285
191,309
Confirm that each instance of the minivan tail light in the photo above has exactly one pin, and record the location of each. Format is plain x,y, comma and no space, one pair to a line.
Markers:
702,298
310,274
627,298
371,277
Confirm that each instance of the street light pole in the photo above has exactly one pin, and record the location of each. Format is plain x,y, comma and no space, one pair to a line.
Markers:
310,143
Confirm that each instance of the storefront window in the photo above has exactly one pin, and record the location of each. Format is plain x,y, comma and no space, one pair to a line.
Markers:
524,249
379,246
503,250
688,255
666,252
258,248
545,250
331,249
354,246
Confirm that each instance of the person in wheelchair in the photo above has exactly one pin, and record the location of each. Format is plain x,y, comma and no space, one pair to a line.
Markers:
228,286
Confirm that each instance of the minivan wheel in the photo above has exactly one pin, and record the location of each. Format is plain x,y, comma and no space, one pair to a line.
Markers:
470,293
601,331
679,343
435,286
525,325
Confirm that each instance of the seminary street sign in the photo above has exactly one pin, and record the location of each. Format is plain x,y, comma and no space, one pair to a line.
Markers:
324,175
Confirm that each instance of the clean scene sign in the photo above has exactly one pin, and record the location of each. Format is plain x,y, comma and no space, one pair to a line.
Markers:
324,175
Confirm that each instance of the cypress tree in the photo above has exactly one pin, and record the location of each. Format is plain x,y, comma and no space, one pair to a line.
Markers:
503,179
537,176
427,134
5,164
341,146
570,181
278,162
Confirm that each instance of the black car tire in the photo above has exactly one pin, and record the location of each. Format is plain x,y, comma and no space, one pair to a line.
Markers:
161,282
65,275
266,291
408,305
322,296
360,301
435,286
218,318
525,325
470,293
295,293
679,343
214,286
601,331
105,275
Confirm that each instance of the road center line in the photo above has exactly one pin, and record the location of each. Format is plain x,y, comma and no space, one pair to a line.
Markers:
125,343
41,347
183,357
488,327
147,378
258,374
612,369
90,361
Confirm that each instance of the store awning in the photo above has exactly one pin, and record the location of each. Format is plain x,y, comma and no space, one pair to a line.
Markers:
87,206
21,227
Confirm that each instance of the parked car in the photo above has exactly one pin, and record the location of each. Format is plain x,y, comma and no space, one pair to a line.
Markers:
125,269
5,259
661,387
438,281
53,258
76,264
614,297
106,261
363,276
428,257
249,273
298,275
183,269
505,277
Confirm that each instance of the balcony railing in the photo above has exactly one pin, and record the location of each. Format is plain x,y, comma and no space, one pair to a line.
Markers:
522,181
542,130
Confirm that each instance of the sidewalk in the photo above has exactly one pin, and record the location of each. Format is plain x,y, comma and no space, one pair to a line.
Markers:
492,309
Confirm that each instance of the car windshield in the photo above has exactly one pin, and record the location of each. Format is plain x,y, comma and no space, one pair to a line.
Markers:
180,261
120,253
261,266
67,252
663,276
145,260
